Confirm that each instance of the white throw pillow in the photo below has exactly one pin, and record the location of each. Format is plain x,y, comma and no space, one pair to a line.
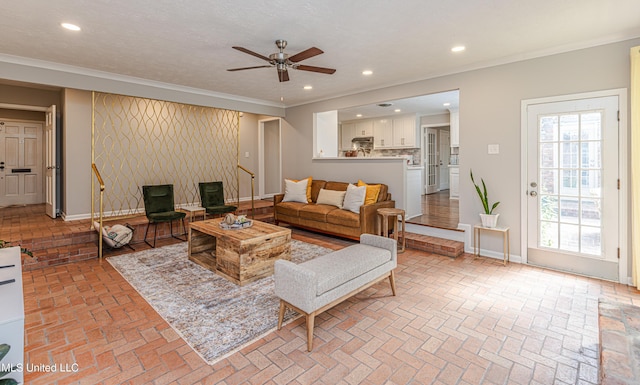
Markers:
331,197
354,198
295,191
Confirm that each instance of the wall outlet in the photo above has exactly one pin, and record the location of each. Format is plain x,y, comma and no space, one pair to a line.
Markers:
246,154
493,149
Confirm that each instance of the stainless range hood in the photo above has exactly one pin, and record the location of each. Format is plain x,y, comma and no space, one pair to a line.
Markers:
362,139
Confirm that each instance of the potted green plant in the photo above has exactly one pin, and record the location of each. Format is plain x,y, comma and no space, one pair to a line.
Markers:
4,349
4,244
489,219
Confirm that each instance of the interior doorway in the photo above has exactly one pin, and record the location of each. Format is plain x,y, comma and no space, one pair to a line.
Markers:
270,157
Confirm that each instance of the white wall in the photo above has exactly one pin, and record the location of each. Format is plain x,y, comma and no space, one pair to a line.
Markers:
489,113
76,153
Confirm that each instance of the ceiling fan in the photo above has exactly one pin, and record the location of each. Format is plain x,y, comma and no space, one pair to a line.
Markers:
283,61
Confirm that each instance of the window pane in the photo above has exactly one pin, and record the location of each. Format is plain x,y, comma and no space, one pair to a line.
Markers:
591,240
569,210
569,182
549,182
570,237
569,127
548,155
592,183
549,208
591,155
569,155
591,124
548,128
548,235
590,212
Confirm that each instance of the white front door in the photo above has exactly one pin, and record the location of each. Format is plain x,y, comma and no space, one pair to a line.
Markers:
50,162
20,163
431,161
572,182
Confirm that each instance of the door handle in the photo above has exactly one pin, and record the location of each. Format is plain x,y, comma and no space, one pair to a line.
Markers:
533,194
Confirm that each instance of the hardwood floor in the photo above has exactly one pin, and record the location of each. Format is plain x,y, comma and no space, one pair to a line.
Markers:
438,211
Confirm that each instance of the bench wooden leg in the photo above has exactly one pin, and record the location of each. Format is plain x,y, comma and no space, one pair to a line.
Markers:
281,314
310,323
392,281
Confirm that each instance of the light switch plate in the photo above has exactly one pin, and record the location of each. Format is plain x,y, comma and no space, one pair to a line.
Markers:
493,149
246,154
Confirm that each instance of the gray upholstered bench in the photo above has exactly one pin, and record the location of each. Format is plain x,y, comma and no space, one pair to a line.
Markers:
321,283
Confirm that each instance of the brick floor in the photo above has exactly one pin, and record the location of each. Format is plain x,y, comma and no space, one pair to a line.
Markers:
454,321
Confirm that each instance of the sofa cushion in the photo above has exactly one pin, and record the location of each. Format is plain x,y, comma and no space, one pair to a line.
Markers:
354,198
309,183
289,208
343,265
338,186
343,218
316,212
373,192
316,185
295,191
331,197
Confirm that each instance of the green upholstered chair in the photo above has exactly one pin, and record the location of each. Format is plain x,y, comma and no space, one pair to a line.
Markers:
159,207
212,198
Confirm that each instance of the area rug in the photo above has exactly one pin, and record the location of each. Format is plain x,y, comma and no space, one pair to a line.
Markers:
213,315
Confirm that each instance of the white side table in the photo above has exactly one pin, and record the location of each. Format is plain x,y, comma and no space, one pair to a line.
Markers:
192,211
477,229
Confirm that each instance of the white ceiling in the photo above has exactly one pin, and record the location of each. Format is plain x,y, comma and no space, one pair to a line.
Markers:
188,43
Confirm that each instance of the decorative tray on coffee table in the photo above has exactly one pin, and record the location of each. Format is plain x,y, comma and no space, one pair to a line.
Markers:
236,225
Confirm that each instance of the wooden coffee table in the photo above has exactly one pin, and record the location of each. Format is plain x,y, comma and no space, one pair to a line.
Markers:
241,255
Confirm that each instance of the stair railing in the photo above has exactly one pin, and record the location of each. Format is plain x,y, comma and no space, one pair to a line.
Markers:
253,177
101,213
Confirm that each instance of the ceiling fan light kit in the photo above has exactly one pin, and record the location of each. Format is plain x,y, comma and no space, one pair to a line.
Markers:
282,61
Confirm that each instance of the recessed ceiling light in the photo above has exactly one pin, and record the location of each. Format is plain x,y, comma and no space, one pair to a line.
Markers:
367,72
397,110
358,115
308,87
446,104
70,27
458,48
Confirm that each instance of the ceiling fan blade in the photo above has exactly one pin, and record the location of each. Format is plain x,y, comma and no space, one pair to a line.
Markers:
241,49
322,70
311,52
247,68
283,76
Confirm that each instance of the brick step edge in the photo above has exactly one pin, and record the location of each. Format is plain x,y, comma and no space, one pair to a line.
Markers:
435,245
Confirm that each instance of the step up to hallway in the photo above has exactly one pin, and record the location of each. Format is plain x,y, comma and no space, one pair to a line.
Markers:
435,245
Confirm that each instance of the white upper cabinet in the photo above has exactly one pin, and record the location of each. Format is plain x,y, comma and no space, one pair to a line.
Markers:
364,128
404,131
454,126
347,133
382,133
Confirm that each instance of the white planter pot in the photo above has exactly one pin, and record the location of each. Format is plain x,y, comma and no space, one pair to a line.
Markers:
489,220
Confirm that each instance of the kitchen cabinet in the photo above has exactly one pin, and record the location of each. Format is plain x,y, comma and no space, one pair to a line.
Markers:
454,182
404,131
454,126
347,133
382,133
364,128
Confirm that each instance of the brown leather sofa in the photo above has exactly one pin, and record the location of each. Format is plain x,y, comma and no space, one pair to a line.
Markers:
330,219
